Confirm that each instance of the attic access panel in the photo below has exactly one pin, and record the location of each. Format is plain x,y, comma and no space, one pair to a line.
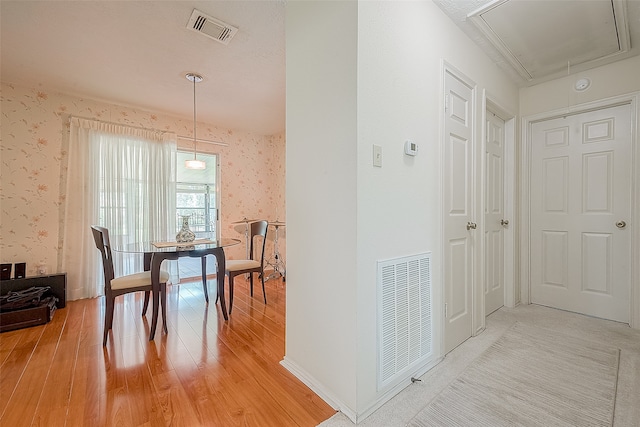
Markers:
540,38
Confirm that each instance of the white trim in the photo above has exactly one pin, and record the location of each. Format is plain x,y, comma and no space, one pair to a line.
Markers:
621,21
439,310
634,309
206,141
324,393
633,99
340,406
481,25
481,189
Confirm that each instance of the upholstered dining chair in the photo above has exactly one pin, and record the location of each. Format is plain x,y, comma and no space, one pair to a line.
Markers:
235,267
116,286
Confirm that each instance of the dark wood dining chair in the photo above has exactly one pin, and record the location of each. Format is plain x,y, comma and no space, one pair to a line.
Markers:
116,286
235,267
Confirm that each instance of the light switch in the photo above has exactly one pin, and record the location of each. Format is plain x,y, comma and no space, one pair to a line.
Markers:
377,156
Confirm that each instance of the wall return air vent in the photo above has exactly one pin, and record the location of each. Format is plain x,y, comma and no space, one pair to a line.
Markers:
405,331
211,27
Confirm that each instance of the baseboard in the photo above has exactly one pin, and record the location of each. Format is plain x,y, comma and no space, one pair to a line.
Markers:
336,404
391,392
318,388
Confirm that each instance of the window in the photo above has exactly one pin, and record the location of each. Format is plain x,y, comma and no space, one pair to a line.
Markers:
197,195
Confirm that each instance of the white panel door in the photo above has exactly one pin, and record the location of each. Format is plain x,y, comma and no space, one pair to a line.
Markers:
458,207
581,212
494,219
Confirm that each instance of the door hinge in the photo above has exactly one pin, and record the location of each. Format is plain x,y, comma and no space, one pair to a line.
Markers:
445,310
446,101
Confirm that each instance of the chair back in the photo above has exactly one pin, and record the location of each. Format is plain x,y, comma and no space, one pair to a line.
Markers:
101,237
258,228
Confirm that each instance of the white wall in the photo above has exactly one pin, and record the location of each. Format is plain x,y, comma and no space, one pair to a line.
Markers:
401,46
366,213
321,195
619,78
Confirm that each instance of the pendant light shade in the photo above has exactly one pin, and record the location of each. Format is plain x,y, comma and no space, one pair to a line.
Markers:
195,163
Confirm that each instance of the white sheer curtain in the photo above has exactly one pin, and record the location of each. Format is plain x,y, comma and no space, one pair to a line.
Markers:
121,178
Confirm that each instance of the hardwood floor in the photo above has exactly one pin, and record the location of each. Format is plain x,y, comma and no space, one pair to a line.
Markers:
205,372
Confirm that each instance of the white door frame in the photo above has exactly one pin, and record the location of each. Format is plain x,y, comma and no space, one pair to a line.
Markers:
512,292
525,276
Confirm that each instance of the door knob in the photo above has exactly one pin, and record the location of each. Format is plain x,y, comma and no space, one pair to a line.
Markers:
621,224
504,222
471,225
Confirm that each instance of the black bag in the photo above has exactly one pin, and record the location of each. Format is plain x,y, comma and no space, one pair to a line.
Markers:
16,300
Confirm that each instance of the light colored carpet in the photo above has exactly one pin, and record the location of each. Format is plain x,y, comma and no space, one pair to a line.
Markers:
403,407
531,377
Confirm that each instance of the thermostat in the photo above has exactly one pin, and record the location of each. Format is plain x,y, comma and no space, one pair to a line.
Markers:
410,148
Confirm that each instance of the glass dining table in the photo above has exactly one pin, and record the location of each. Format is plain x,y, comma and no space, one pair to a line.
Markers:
156,252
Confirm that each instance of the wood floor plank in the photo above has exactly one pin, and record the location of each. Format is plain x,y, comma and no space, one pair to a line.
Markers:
16,362
205,371
53,406
187,354
174,402
146,406
8,341
23,403
87,404
88,395
254,350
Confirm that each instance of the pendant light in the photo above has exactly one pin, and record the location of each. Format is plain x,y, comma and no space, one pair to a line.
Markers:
195,163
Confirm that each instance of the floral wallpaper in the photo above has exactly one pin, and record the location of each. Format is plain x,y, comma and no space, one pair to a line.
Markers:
34,127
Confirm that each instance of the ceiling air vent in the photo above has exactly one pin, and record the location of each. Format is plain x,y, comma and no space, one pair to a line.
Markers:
211,27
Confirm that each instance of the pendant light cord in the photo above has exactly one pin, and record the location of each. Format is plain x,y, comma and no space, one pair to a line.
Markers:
195,163
194,118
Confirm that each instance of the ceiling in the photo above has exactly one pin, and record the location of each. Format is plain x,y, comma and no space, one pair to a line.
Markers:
137,53
539,40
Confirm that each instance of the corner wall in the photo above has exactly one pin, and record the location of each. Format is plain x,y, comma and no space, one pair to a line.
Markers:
321,136
374,78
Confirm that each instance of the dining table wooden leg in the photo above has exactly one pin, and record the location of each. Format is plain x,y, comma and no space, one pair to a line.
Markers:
204,278
147,267
155,286
219,254
154,318
147,261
